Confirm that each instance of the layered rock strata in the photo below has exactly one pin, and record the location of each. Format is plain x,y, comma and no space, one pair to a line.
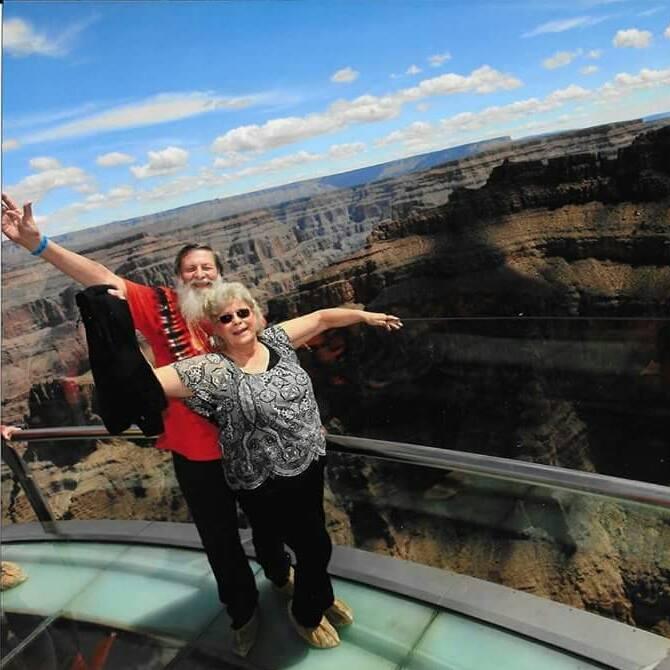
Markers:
576,225
274,249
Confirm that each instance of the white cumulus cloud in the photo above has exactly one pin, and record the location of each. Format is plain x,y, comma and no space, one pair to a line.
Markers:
632,38
484,79
589,69
364,109
623,82
113,198
594,54
20,38
572,92
499,119
344,76
274,133
420,135
231,159
560,59
206,178
416,132
36,186
667,32
157,109
339,151
114,158
162,162
437,59
413,69
44,163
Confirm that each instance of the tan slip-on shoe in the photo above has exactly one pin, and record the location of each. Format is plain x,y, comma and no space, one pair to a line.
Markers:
245,636
323,636
11,575
340,614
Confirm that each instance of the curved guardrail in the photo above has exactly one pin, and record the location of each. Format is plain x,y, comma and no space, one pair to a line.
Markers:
507,468
579,633
432,457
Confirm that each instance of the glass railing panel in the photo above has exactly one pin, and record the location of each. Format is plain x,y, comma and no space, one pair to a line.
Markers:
588,394
16,507
113,478
606,556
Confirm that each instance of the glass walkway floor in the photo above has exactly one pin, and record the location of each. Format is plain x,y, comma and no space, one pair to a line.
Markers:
138,594
134,606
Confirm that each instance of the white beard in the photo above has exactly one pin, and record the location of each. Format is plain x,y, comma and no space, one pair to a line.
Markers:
193,300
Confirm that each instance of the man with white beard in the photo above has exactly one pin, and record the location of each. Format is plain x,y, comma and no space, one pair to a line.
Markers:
191,297
171,321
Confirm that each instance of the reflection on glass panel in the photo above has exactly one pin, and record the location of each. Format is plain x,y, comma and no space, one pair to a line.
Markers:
608,557
585,394
104,479
16,507
65,643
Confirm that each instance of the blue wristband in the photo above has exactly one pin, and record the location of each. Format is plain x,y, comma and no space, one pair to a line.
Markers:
44,241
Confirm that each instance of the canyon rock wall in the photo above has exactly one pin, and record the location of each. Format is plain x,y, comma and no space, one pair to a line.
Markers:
274,249
537,232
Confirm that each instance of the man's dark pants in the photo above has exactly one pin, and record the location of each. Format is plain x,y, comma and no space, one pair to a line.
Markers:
212,506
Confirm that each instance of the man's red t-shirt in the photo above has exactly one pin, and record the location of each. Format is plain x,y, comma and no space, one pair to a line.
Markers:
156,315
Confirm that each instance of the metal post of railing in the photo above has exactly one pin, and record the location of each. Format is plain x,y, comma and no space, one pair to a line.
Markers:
20,470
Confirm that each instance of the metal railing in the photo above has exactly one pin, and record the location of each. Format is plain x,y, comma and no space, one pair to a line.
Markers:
399,452
508,469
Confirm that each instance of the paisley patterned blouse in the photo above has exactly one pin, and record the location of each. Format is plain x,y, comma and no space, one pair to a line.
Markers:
269,422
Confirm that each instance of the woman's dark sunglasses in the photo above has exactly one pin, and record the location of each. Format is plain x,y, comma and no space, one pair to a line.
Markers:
240,313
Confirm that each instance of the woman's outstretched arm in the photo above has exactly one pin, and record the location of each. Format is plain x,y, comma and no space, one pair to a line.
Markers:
172,385
304,328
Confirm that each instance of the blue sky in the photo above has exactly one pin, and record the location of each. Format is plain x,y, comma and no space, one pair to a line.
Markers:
118,109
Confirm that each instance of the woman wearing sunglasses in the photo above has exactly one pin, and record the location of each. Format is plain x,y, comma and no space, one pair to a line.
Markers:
264,404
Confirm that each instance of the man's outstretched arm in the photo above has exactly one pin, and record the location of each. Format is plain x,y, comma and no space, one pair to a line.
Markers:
20,227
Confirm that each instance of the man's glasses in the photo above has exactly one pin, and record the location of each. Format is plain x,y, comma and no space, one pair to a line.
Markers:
239,313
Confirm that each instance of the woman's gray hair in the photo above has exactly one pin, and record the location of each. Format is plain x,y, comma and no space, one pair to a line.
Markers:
222,294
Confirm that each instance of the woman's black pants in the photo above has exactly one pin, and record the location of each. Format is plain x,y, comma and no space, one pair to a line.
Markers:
212,506
291,508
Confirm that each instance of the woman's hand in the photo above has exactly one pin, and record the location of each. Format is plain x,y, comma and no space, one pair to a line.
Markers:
381,320
19,225
303,328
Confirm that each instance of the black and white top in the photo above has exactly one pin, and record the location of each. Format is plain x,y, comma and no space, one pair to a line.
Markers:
269,421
